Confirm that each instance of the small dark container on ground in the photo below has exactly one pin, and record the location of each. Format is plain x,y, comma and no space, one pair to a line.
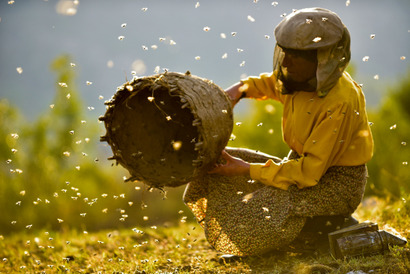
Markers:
169,128
362,239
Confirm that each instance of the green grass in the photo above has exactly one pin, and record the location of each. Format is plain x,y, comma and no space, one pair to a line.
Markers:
179,249
182,248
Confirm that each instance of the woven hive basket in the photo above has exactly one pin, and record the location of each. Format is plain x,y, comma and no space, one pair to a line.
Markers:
167,129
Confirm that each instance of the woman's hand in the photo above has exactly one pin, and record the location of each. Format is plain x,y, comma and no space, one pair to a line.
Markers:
232,167
236,92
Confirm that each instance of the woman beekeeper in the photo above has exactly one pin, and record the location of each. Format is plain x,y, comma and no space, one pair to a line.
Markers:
253,203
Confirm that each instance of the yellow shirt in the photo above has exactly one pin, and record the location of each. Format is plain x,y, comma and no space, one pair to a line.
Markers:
325,131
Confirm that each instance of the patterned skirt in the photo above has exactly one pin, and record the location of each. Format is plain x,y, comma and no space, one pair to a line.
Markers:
245,217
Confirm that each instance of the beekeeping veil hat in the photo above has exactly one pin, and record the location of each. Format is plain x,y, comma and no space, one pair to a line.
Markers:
315,29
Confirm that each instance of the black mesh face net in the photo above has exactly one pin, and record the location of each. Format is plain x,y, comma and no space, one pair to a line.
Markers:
310,55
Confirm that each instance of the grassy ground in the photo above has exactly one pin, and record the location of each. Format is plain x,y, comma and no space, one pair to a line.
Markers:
182,248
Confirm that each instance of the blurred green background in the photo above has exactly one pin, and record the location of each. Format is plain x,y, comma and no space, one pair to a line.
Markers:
55,176
54,172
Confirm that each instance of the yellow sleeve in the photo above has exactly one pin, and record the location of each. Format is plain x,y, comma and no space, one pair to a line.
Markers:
262,87
326,143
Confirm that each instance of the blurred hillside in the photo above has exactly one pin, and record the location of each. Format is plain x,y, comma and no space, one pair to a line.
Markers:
54,173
